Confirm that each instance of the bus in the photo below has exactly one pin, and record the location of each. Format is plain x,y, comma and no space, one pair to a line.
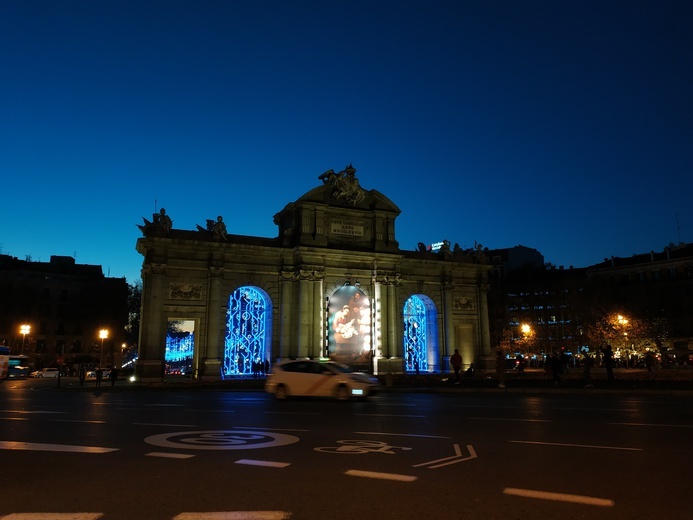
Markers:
18,366
4,361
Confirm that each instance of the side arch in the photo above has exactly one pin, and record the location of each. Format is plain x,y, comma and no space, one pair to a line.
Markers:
247,344
420,334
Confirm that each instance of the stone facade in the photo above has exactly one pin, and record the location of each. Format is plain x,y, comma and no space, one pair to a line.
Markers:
335,241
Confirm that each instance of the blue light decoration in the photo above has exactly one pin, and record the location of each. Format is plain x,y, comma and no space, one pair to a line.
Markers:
419,326
248,326
179,350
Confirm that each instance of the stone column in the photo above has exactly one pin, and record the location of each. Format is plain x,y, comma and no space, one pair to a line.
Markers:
152,341
485,337
449,340
286,318
318,342
305,313
208,360
392,317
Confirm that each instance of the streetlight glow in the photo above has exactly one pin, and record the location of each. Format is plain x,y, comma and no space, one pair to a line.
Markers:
103,334
24,330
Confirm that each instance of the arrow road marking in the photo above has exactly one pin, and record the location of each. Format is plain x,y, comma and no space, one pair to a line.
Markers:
439,463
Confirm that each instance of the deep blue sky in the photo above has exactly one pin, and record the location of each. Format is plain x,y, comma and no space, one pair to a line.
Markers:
565,126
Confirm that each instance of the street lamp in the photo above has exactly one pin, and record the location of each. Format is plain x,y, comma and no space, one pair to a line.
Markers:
103,334
24,330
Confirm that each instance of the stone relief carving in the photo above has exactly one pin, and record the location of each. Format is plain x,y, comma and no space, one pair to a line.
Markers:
153,268
185,291
216,271
346,185
391,278
463,303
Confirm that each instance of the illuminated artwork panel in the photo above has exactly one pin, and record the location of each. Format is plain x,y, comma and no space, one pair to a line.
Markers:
349,328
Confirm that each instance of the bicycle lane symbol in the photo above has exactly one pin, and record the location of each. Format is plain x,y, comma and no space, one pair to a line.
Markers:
356,447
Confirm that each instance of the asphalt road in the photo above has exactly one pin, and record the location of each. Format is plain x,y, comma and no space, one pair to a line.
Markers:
218,454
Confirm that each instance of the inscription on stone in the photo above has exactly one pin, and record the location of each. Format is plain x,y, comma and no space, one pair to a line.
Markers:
352,228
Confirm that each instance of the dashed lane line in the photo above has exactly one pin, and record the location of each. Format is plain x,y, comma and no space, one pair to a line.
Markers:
593,446
559,497
380,476
170,455
263,463
34,446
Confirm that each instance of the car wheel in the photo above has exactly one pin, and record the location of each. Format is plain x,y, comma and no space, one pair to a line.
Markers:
281,393
342,393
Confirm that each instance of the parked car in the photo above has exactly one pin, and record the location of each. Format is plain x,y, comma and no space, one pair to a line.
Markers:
105,373
305,377
45,372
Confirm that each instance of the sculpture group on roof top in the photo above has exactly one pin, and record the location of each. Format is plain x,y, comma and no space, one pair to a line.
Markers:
346,185
476,254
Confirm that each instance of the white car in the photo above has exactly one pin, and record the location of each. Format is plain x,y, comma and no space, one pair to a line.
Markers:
105,373
45,372
304,377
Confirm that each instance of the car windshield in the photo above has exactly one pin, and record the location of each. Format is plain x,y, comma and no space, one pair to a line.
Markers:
338,367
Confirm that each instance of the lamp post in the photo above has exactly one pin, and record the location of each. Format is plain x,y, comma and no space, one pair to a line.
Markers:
24,330
103,334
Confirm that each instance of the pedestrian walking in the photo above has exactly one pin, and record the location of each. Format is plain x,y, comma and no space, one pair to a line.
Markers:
113,375
99,376
82,375
456,362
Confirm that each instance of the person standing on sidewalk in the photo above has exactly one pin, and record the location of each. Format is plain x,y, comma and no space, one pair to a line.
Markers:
456,362
587,364
500,368
608,363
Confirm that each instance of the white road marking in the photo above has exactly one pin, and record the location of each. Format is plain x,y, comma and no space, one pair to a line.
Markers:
31,446
266,463
78,421
381,476
454,459
504,419
170,455
403,435
29,411
269,429
389,415
164,424
294,413
14,418
579,445
559,497
650,424
52,516
235,515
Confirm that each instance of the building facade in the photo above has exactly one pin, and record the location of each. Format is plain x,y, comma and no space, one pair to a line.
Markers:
332,284
54,311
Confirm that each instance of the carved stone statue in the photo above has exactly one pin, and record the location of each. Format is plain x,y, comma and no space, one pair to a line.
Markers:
219,228
216,228
160,224
346,185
